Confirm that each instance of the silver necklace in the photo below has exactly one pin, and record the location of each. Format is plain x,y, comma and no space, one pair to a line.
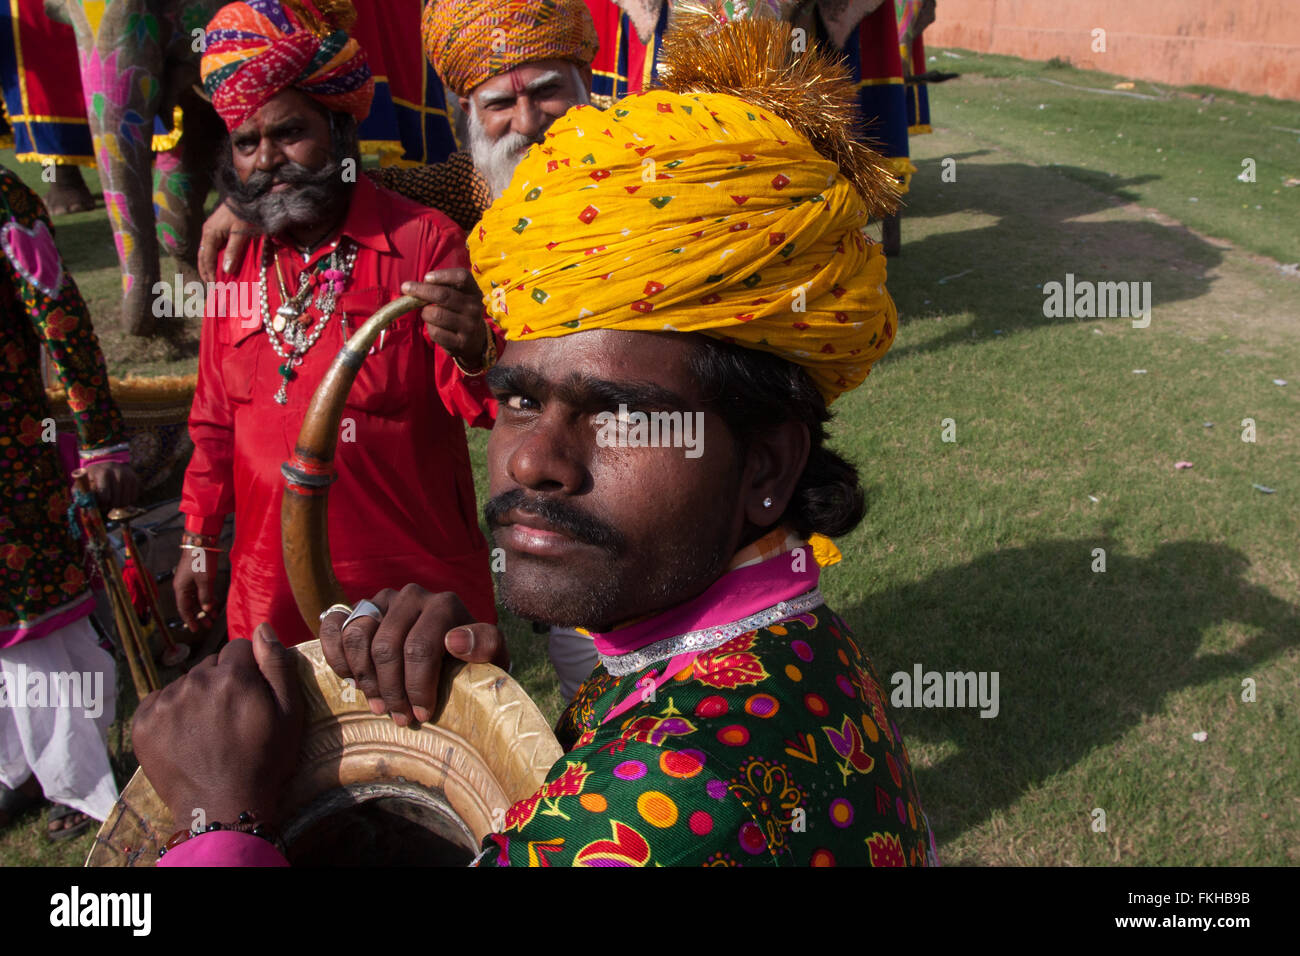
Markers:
286,331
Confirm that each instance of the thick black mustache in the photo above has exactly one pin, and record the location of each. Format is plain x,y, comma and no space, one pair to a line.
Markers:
259,183
578,525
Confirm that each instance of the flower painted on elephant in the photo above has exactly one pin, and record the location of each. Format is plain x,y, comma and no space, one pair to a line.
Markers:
193,16
140,27
167,234
567,784
94,12
627,848
886,850
847,742
118,211
108,84
106,149
730,665
131,128
769,793
168,162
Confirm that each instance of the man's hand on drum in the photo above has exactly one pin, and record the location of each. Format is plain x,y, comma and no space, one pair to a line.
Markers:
397,660
224,738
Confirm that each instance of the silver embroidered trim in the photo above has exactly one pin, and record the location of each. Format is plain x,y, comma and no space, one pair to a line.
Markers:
706,639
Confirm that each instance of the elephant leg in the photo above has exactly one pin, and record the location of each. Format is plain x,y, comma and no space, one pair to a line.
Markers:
69,192
121,61
182,178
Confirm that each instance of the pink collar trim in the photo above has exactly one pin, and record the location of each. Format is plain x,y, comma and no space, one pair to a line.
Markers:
737,594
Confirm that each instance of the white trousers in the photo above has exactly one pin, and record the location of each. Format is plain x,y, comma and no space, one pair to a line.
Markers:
57,702
573,656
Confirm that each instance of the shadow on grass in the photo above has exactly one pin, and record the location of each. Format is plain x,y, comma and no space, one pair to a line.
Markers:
1081,656
995,272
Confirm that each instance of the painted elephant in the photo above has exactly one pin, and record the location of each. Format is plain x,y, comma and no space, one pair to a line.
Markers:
139,60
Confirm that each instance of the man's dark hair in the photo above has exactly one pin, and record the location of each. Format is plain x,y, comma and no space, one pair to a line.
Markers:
754,391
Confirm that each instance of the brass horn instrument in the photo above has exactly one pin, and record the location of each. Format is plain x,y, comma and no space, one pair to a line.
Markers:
365,789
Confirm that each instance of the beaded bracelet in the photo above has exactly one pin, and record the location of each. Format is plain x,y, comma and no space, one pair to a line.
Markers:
247,823
206,542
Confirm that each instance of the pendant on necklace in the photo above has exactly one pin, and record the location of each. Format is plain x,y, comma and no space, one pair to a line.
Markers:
286,375
282,317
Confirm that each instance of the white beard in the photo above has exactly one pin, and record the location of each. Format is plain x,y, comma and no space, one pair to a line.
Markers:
496,161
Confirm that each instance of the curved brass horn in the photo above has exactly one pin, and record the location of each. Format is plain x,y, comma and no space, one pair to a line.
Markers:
304,531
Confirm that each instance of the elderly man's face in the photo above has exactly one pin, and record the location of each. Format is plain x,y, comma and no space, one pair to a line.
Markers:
596,535
285,169
511,111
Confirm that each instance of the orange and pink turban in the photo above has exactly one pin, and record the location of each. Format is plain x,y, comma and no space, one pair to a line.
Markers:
469,41
257,49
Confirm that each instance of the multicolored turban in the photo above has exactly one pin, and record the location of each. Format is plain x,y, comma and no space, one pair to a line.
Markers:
469,41
257,49
684,212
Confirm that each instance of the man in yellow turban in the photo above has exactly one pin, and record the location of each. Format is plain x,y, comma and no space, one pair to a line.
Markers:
685,288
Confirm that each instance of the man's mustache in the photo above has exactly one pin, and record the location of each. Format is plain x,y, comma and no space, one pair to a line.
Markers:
259,183
578,525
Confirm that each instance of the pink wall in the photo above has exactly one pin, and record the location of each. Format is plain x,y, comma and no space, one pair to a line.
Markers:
1252,46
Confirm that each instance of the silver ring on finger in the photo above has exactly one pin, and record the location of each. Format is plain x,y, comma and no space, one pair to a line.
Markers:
346,609
363,609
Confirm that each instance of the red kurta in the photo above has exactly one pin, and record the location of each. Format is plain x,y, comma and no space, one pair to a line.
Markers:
402,509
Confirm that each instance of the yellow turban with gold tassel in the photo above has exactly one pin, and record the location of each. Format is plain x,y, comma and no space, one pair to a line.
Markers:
730,203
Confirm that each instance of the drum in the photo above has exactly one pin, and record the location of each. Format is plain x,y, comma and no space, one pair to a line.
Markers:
370,792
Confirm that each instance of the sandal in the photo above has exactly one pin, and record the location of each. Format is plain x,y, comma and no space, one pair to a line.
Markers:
60,812
14,803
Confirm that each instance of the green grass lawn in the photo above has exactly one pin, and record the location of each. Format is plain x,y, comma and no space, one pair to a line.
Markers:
979,554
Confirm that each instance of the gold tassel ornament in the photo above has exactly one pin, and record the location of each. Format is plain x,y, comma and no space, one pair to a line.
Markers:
765,63
323,17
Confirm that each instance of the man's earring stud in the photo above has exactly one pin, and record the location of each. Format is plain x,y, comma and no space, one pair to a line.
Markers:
767,502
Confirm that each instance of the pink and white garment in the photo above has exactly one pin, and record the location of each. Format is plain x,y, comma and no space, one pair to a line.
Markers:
58,697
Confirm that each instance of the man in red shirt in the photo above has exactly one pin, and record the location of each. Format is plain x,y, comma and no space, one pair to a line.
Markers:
291,86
